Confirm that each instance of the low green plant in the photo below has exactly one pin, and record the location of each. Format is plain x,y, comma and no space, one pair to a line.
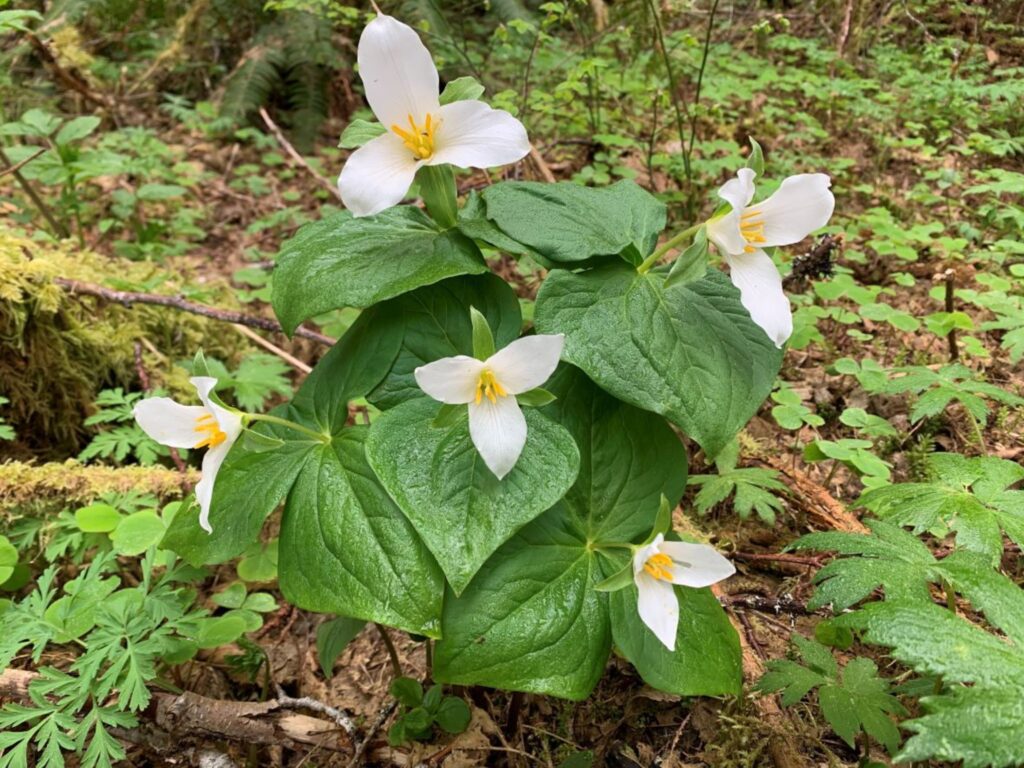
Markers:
754,489
854,699
422,711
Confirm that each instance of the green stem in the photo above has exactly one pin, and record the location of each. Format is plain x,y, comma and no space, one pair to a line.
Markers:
437,188
671,243
319,436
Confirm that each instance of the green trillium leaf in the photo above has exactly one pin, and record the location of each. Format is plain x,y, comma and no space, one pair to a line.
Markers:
566,222
437,324
346,548
531,620
689,352
462,511
343,261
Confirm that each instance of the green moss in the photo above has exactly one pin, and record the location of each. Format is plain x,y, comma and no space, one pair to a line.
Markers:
58,350
58,485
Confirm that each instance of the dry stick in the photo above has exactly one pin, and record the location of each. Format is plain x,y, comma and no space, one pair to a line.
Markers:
295,156
189,714
127,298
954,351
542,165
256,338
382,717
70,79
22,163
307,702
58,228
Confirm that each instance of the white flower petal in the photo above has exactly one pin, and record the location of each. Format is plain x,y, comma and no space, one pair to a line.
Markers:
451,380
229,422
527,362
658,607
761,293
398,75
473,135
377,175
696,565
168,422
499,433
212,460
739,192
724,232
801,205
643,553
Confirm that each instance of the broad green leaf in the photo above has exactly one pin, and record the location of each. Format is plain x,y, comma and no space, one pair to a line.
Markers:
76,129
531,620
97,518
689,352
453,715
331,639
462,511
8,559
629,459
343,261
359,132
346,548
138,532
437,325
569,223
221,630
706,661
461,89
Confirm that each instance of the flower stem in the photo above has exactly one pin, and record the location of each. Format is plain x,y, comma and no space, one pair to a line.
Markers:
437,188
669,244
319,436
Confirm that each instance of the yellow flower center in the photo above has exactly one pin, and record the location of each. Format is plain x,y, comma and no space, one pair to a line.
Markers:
207,425
659,566
419,140
489,387
752,229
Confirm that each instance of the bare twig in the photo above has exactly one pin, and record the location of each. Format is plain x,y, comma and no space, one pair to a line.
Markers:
311,704
22,163
71,79
375,726
58,227
295,156
542,165
189,714
257,339
954,350
127,298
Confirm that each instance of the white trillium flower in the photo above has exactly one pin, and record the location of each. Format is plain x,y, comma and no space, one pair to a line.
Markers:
660,565
401,84
496,423
801,205
193,426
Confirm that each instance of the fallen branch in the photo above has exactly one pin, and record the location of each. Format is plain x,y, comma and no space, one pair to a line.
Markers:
195,716
818,502
127,298
295,156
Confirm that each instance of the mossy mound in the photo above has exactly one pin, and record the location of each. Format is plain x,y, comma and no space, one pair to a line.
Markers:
58,350
57,485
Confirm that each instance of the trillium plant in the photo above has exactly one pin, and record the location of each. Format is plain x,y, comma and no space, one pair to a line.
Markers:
511,496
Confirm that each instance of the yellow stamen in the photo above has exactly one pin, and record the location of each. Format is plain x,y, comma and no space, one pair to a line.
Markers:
420,141
752,229
207,425
659,566
488,386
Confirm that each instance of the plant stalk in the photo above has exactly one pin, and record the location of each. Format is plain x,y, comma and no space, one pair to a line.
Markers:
669,244
437,188
318,436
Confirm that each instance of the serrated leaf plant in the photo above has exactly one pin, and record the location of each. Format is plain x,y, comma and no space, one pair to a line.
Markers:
512,499
854,699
